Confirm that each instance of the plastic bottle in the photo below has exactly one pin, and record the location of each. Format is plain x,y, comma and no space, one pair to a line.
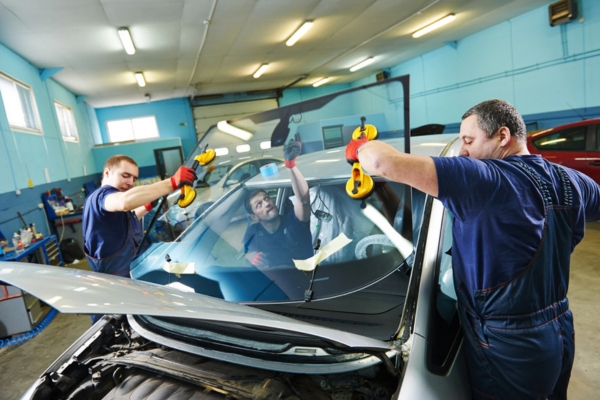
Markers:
16,239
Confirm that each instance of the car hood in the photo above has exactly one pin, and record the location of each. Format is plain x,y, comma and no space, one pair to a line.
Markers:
75,291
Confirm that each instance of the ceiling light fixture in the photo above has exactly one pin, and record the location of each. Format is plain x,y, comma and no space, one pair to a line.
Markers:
224,126
435,25
139,77
299,33
362,64
320,82
125,37
260,70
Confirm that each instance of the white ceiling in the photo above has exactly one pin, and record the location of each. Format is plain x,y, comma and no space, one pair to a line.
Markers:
199,47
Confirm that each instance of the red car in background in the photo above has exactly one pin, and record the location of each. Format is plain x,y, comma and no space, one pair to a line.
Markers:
575,145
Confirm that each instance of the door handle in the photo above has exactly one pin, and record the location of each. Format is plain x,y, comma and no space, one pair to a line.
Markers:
595,163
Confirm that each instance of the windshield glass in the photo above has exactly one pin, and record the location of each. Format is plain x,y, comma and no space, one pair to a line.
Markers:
216,254
211,246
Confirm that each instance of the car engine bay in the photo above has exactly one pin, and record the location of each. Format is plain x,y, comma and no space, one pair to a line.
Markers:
115,362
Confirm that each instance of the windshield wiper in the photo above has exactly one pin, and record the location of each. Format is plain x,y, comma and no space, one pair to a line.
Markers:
308,293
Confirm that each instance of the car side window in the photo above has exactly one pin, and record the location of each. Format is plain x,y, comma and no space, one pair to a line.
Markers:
241,174
219,172
445,333
568,140
597,141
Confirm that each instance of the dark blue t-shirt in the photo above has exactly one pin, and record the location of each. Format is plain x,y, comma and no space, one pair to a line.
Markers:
498,224
292,240
104,232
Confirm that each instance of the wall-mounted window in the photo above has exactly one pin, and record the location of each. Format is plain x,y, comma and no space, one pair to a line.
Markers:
121,130
19,103
66,122
332,136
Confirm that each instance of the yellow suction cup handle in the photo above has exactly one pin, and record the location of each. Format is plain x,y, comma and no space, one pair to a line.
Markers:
205,157
186,197
369,131
360,185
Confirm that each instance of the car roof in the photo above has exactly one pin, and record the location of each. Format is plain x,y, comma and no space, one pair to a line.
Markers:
332,164
585,122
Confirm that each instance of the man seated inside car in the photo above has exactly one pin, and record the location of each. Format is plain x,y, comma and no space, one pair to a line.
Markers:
274,240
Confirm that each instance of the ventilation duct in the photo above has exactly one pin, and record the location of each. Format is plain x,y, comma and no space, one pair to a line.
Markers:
562,12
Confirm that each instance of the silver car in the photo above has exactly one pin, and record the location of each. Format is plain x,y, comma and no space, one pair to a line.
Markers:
374,315
212,184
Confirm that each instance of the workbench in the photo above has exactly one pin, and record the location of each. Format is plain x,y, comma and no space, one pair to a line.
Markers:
20,311
44,251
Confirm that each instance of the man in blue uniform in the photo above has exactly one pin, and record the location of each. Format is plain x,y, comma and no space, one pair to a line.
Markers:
111,228
274,240
517,219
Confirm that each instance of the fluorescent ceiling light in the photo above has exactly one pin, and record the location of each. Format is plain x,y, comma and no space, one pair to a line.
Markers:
221,151
435,25
232,130
265,145
320,82
242,148
299,33
125,37
260,70
139,77
362,64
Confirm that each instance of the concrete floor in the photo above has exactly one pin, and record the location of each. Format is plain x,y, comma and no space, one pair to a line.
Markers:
21,365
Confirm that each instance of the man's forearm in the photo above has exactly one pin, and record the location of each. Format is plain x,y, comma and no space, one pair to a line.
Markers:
300,188
137,196
381,159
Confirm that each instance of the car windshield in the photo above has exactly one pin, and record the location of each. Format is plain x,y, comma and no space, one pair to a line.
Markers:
212,256
359,249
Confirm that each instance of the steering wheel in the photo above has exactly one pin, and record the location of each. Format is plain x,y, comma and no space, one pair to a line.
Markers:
381,240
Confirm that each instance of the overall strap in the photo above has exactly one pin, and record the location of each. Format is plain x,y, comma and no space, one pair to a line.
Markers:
541,184
566,184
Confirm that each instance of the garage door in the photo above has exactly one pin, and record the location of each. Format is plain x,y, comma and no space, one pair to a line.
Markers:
206,116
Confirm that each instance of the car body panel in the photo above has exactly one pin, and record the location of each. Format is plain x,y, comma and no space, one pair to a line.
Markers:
85,292
575,145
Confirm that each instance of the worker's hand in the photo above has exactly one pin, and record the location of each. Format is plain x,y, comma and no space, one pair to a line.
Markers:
292,150
257,259
151,205
183,176
352,149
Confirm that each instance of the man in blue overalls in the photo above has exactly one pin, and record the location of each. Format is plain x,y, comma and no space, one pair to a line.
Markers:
111,227
273,241
517,219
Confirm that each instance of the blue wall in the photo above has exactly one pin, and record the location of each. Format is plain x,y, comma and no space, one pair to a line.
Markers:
173,117
141,152
25,156
551,74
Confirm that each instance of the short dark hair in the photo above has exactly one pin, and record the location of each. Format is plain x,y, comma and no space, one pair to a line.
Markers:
494,114
115,161
249,197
